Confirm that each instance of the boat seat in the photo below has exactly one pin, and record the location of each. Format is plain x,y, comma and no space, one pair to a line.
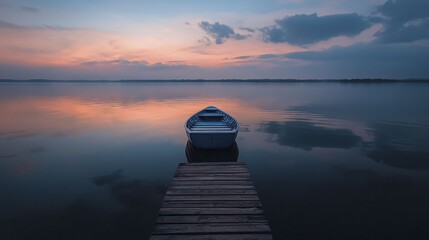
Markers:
210,129
211,115
224,126
210,123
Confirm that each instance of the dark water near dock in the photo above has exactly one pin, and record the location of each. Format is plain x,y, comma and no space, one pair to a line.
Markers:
329,160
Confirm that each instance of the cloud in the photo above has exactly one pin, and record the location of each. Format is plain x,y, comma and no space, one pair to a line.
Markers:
205,41
21,8
366,53
405,21
220,32
251,30
29,9
305,29
270,55
114,62
4,24
135,65
243,57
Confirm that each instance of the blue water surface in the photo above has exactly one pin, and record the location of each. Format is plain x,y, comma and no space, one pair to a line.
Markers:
329,160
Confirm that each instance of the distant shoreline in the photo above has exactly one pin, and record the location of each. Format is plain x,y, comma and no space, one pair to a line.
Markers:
222,81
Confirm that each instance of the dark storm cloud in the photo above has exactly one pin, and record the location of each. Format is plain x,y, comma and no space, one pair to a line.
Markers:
309,29
405,21
220,32
306,135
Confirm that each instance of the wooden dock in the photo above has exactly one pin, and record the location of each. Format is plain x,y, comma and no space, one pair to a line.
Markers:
214,200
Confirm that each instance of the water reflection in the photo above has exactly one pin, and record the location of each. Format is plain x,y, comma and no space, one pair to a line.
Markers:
399,145
130,192
92,161
306,135
194,154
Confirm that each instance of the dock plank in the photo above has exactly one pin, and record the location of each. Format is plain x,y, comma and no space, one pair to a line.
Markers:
212,164
213,182
215,200
202,174
215,237
212,219
215,178
211,204
213,211
211,192
212,228
211,198
194,187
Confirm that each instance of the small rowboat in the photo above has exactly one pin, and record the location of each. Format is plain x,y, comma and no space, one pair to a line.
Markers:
211,128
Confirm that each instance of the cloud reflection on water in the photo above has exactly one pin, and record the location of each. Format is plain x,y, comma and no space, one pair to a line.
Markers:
400,146
306,135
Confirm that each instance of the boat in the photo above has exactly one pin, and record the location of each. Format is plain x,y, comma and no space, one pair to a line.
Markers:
196,155
211,128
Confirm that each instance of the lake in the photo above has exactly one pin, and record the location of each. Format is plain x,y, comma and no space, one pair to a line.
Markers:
329,160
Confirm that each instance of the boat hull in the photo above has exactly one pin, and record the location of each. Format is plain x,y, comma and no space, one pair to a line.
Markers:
211,128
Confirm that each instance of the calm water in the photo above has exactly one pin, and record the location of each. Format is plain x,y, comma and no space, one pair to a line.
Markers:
329,160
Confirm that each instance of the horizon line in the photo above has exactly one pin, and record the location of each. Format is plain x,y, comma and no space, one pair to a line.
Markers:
348,80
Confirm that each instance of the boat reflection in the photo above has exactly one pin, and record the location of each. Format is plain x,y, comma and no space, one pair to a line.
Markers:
194,154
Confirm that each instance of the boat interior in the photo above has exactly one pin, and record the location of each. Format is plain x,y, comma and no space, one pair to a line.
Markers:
211,119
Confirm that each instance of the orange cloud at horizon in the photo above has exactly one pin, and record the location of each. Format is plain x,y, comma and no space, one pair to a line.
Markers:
70,47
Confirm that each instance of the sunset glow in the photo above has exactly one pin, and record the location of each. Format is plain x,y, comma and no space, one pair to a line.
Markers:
193,39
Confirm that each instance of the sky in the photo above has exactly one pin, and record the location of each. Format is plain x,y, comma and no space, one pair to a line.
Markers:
223,39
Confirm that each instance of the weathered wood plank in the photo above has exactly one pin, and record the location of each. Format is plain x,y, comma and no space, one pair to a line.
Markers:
211,201
212,168
212,228
211,219
211,198
213,182
212,164
212,211
215,178
200,174
213,171
211,191
194,187
211,204
214,237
